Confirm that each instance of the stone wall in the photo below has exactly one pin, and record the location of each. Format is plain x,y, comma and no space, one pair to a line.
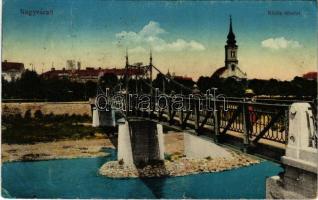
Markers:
57,108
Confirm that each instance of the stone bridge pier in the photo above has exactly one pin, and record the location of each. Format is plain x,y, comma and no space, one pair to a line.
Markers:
140,141
103,118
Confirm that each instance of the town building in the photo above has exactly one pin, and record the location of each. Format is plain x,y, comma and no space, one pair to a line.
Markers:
311,75
88,74
231,68
12,70
177,77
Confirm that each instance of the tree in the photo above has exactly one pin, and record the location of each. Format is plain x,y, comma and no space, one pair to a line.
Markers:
160,82
30,86
38,114
108,80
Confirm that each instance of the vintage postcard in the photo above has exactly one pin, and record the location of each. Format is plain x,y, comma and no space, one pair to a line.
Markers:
159,99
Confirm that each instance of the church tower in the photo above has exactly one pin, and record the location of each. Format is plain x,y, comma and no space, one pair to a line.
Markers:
231,61
231,68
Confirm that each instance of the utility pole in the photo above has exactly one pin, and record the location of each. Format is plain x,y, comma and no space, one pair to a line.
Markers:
126,82
150,71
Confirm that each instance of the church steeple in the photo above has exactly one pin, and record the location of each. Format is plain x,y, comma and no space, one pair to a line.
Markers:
127,61
231,49
231,68
231,36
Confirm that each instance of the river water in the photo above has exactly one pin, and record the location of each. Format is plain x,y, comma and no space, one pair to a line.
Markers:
79,178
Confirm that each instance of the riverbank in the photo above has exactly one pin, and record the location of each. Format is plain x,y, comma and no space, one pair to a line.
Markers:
177,165
76,148
64,149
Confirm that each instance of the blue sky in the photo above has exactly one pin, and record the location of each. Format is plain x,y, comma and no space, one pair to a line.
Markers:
187,37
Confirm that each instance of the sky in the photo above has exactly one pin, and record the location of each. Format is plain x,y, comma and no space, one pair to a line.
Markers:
276,39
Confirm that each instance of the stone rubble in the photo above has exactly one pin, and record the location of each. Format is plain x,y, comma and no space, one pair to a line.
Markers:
179,166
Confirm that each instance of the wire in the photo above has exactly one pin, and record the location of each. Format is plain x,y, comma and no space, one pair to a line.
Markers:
172,80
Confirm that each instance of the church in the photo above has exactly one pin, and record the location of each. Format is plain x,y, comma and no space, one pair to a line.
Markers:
231,68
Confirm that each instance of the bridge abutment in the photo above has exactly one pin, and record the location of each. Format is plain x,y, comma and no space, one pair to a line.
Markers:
198,147
299,180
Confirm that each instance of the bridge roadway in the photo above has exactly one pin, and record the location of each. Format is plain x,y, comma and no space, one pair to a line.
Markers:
248,125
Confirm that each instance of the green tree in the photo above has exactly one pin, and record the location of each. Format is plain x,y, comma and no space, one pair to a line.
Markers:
30,85
108,80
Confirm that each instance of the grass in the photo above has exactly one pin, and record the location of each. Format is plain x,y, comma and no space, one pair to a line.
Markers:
26,130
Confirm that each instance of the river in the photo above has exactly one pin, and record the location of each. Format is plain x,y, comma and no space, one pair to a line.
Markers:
79,178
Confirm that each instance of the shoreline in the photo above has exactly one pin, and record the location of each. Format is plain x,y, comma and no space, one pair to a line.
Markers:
70,148
176,165
62,149
179,166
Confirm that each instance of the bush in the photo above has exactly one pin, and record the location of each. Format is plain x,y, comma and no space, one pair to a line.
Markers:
168,157
27,114
38,114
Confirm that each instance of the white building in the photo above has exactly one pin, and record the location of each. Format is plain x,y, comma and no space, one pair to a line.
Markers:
12,70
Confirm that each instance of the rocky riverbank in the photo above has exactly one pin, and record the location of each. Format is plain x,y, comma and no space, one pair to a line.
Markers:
55,150
177,166
70,148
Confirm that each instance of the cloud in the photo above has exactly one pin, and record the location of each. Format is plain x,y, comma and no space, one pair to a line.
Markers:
151,36
280,43
138,49
151,29
181,44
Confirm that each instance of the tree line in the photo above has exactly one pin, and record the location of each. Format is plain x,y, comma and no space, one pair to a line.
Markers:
32,86
297,88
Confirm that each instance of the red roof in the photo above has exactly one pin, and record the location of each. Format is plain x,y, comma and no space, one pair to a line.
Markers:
310,75
8,66
89,71
183,78
56,73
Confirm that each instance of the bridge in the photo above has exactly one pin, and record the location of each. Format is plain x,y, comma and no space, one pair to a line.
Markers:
264,127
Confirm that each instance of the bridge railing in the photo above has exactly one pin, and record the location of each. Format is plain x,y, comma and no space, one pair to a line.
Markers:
257,120
252,120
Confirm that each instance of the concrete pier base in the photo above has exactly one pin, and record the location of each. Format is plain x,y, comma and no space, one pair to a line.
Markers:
140,142
295,183
95,117
124,144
